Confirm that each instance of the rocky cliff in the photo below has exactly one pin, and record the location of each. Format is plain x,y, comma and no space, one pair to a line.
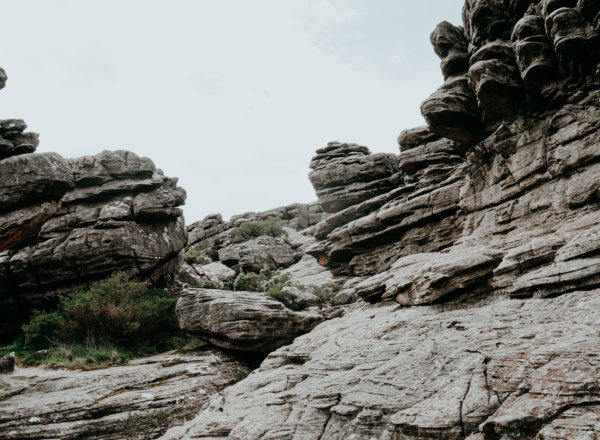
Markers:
477,247
468,264
67,222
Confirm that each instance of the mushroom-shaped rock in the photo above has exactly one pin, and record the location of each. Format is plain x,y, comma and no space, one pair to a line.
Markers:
452,112
347,174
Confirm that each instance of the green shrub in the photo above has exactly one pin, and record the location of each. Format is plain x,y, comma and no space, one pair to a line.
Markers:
249,230
322,292
116,311
251,282
206,285
191,257
42,329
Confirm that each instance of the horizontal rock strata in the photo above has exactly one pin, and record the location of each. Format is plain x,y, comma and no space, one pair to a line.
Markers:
247,321
67,222
143,397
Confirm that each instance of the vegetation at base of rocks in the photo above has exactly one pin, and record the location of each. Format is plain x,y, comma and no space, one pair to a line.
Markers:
206,285
324,293
115,311
90,357
111,322
144,427
250,282
249,230
191,257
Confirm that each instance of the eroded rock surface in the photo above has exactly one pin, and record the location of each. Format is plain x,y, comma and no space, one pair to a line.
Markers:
140,399
247,321
65,223
430,372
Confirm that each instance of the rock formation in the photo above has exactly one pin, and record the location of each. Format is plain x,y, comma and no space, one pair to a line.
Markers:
478,249
247,321
470,262
432,372
65,223
138,400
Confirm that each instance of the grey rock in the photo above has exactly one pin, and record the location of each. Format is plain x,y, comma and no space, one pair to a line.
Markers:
246,321
427,372
264,252
33,178
97,404
347,174
68,223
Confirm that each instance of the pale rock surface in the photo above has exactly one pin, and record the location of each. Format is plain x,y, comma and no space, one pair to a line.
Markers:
430,372
37,403
247,321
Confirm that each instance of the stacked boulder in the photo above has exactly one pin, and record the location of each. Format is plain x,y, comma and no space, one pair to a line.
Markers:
65,223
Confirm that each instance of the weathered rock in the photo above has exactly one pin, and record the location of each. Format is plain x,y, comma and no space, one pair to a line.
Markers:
450,45
298,299
494,78
13,138
534,53
259,253
452,111
309,272
425,278
511,368
247,321
33,178
145,397
212,273
347,174
67,223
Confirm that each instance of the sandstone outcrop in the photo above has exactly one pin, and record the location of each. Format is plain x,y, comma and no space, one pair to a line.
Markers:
427,372
246,321
65,223
479,249
138,400
346,174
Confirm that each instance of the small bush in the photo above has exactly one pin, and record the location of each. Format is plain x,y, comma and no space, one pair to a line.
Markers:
251,282
249,230
321,292
206,285
191,257
42,329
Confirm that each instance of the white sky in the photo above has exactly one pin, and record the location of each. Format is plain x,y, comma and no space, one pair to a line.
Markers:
231,96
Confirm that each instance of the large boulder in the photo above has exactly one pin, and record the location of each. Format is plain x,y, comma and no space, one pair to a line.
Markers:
247,321
346,174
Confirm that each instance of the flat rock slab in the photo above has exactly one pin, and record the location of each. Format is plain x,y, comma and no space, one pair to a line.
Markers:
434,372
100,404
248,321
424,278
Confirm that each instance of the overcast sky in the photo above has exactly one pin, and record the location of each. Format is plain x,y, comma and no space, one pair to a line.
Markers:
231,96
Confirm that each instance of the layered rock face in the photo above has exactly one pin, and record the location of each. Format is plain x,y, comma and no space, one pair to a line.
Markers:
479,250
64,223
138,400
